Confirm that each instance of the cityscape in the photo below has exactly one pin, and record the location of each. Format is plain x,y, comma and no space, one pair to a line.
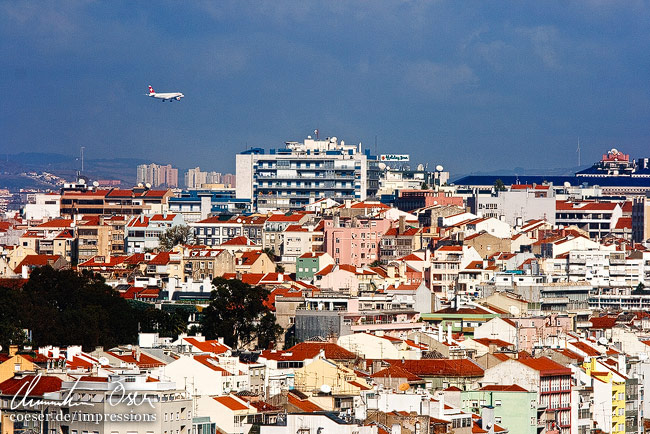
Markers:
327,218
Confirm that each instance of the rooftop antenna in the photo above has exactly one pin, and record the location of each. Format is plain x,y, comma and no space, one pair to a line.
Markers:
375,144
578,151
82,158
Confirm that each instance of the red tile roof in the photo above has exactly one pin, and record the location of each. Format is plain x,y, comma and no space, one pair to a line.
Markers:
161,258
56,223
36,261
503,388
309,350
545,366
209,346
603,322
17,386
231,403
303,404
585,348
394,371
285,218
239,241
440,367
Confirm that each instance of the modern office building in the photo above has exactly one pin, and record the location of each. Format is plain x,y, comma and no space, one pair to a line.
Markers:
301,173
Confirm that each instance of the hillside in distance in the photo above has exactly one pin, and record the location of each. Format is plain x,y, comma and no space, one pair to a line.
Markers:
65,166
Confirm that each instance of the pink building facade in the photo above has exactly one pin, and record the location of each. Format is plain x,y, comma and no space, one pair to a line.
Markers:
354,241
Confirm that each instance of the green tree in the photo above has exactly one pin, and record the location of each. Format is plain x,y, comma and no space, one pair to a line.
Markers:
424,186
238,313
179,234
499,185
65,308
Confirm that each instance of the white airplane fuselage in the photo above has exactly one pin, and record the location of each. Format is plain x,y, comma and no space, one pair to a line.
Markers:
167,96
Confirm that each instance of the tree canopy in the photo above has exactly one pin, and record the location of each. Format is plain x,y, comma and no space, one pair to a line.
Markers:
238,313
67,308
179,234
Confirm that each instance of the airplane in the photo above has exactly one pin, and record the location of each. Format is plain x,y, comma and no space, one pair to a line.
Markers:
165,96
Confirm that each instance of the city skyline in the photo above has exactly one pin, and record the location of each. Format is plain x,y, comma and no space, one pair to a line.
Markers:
500,83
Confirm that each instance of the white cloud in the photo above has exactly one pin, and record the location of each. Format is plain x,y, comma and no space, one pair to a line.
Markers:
439,80
544,40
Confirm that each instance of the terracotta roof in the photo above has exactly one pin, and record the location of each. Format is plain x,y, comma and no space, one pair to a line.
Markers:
161,258
16,386
624,223
309,350
36,261
394,371
545,366
585,348
231,403
209,346
603,322
440,367
285,218
503,388
56,223
303,404
562,205
239,241
212,363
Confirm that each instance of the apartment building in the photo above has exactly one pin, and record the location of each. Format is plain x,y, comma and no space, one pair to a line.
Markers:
301,173
143,232
157,175
354,241
596,218
113,201
100,236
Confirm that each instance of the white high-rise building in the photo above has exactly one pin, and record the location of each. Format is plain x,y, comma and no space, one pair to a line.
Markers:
301,173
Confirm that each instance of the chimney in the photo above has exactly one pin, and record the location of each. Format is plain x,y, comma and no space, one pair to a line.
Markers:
396,429
13,349
25,272
402,224
440,333
449,335
137,354
487,419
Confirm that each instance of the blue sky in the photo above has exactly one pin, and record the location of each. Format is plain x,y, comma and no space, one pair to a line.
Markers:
470,85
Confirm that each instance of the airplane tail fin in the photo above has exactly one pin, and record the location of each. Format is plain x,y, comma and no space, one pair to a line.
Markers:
151,90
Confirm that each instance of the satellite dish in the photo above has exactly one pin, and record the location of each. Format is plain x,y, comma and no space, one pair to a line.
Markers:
439,168
567,184
603,341
420,166
82,181
381,166
326,388
514,310
95,183
148,185
404,387
103,361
